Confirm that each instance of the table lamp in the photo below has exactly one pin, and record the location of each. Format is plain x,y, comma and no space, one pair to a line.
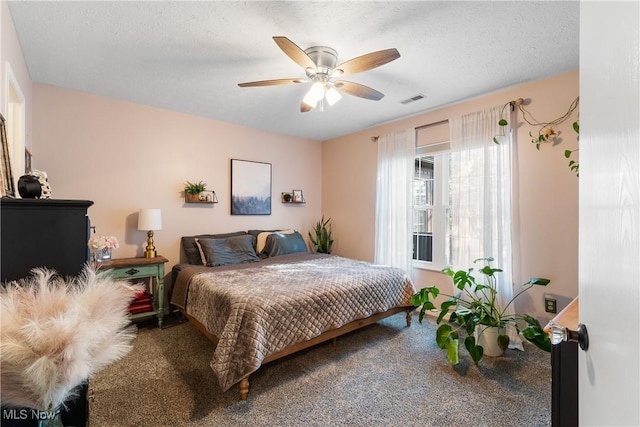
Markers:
150,220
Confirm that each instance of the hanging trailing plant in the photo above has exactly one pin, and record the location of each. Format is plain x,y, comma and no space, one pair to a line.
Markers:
574,165
547,132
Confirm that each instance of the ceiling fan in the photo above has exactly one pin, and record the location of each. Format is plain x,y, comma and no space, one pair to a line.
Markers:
319,63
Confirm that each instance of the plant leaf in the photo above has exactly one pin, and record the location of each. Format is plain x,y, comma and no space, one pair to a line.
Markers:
443,335
476,351
502,122
538,337
503,342
470,323
567,153
453,317
444,309
535,334
538,281
453,353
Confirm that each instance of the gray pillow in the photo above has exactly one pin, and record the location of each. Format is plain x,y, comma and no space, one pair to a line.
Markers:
191,250
231,250
283,244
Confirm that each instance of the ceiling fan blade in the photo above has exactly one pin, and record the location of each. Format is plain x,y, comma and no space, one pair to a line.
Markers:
270,82
304,107
294,52
356,89
368,61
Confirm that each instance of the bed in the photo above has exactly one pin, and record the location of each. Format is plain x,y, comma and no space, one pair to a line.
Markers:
260,295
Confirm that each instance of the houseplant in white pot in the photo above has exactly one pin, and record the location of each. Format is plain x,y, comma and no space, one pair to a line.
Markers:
475,309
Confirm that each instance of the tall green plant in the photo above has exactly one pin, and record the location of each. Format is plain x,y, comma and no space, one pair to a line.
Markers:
477,304
321,238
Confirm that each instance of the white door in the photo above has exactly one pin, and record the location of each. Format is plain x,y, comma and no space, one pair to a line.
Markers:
609,372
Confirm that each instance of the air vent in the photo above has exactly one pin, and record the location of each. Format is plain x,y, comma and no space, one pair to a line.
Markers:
412,99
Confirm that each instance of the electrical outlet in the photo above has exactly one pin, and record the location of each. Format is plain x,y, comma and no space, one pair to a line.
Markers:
550,305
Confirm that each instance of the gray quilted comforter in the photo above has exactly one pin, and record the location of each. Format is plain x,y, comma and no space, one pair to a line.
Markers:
263,308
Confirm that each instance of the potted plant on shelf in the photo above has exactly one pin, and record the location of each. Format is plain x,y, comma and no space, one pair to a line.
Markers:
321,238
475,310
192,191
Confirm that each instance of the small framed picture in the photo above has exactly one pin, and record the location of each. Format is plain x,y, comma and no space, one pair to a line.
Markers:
296,196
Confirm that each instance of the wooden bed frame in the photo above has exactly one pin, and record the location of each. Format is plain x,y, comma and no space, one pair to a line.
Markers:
325,336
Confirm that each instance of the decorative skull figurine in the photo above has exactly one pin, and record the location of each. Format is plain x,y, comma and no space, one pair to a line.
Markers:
44,182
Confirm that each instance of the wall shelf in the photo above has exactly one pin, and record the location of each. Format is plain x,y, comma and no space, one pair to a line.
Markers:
205,197
294,197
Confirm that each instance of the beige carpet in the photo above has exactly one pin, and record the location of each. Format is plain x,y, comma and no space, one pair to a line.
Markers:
383,375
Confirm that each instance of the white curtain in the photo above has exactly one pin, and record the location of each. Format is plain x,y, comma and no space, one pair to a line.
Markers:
481,197
394,202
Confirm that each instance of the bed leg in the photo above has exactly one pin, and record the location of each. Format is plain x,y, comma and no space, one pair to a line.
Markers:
334,342
409,311
244,388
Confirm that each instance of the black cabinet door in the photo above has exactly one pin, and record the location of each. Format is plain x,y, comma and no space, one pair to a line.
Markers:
43,233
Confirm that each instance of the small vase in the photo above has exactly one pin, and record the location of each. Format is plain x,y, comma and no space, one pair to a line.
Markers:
50,418
103,255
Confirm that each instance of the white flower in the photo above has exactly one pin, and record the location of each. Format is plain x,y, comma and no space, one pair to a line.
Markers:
549,132
103,242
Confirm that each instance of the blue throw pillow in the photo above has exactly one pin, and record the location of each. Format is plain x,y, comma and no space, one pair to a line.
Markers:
191,250
283,244
232,250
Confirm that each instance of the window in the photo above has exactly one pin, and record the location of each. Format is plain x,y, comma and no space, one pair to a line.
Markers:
431,225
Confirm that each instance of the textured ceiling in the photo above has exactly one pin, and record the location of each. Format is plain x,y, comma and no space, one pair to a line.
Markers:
190,56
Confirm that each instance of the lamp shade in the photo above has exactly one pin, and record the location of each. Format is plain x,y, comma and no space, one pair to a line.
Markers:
149,219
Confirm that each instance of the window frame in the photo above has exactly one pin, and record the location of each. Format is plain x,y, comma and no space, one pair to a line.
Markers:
441,207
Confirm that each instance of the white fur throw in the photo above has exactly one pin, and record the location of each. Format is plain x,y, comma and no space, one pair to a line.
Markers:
55,334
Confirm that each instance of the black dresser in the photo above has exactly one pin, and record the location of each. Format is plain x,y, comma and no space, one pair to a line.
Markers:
44,233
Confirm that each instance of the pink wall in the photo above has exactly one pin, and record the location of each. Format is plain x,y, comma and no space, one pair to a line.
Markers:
548,190
127,156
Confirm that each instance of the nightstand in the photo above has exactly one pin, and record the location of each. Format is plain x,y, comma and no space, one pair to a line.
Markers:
142,268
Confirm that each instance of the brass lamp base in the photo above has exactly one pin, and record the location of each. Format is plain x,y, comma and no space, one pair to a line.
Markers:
150,251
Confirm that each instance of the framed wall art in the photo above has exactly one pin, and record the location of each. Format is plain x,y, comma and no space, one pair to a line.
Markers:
297,196
250,188
7,188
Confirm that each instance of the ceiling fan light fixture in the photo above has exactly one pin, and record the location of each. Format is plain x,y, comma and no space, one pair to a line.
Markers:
309,100
319,64
333,96
316,91
315,94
